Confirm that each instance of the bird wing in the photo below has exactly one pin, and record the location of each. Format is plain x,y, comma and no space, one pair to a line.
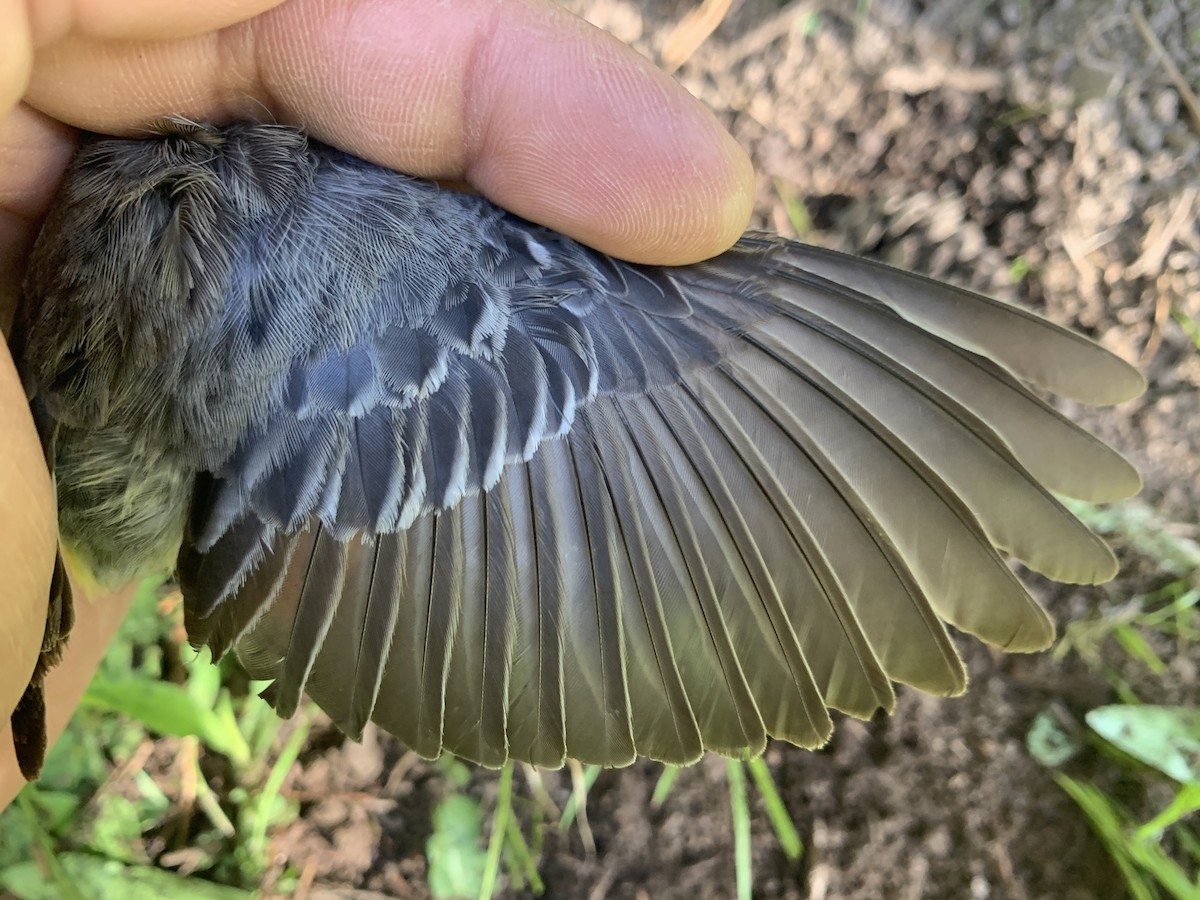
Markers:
654,511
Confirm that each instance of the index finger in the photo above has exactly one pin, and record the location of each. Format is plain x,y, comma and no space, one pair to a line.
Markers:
541,112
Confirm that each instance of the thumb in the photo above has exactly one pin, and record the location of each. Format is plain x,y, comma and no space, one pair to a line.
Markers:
27,538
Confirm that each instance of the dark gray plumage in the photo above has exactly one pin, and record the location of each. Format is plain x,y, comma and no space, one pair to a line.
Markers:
508,497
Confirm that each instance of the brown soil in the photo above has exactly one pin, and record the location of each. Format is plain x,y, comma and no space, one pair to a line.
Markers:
953,138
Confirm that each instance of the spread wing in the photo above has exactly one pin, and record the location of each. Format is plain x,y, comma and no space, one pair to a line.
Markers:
653,511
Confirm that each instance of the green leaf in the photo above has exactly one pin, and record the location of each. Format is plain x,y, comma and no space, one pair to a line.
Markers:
455,771
1049,742
104,879
204,679
78,761
1019,269
115,829
1165,737
167,709
17,835
55,808
456,861
1186,802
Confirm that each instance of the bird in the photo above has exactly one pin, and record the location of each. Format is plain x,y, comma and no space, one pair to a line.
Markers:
508,497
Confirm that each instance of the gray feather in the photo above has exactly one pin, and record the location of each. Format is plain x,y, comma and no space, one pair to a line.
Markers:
508,497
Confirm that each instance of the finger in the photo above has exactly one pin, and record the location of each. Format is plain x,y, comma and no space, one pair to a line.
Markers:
546,115
27,538
24,26
96,621
34,152
16,51
150,20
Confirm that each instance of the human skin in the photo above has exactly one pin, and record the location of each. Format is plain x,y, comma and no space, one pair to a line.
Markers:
532,107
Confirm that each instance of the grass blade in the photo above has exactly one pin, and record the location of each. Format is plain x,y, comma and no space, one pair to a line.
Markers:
740,806
491,870
781,822
663,787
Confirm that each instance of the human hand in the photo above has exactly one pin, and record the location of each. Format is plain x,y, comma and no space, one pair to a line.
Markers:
534,108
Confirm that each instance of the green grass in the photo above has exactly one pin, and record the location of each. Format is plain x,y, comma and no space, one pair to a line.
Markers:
459,867
1157,747
82,829
1189,325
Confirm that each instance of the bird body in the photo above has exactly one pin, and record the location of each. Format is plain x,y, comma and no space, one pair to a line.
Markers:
509,497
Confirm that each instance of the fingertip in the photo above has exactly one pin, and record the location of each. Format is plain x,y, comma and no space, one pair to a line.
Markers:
709,214
571,128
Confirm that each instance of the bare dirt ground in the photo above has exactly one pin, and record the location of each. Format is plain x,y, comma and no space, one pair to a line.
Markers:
1035,151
